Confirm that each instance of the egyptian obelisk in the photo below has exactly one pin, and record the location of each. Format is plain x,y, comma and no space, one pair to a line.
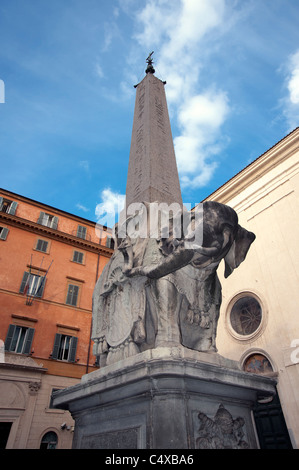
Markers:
152,173
153,390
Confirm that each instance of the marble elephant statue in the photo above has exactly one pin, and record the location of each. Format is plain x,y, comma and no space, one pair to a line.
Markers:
165,291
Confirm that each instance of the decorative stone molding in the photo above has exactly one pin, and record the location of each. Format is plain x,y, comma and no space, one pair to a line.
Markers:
21,360
55,234
34,387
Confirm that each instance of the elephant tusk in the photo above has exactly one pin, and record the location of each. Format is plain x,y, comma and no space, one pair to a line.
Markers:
208,251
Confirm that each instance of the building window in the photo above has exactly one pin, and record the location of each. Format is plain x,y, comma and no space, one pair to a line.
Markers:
78,257
49,440
8,206
65,347
42,245
110,242
32,284
48,220
72,295
3,233
257,364
81,232
19,339
246,315
51,396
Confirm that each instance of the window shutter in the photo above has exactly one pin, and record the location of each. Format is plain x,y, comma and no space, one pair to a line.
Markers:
41,218
40,290
56,346
69,296
24,282
78,257
73,349
81,232
54,223
28,341
9,336
42,245
72,295
13,207
3,233
110,242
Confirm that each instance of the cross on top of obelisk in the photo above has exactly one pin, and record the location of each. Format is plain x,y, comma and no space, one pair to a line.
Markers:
149,60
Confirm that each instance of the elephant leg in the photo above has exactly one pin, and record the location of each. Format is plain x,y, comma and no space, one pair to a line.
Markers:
168,302
217,291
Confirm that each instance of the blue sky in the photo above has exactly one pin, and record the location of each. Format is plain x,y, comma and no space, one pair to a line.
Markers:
69,68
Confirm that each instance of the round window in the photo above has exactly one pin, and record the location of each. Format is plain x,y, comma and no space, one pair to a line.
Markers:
246,315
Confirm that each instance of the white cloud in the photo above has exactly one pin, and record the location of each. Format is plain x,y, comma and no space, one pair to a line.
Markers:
201,179
84,164
200,120
108,210
207,110
179,23
293,84
81,207
99,71
111,32
116,12
181,26
291,102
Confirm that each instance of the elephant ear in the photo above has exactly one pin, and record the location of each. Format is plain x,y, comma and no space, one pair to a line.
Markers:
238,250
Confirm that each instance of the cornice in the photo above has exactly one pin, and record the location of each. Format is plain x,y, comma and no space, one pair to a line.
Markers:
283,150
55,234
45,207
46,301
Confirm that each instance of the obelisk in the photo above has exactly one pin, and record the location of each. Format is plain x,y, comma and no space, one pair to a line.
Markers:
161,385
152,174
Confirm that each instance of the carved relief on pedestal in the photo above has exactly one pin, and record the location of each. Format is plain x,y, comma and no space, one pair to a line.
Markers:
221,432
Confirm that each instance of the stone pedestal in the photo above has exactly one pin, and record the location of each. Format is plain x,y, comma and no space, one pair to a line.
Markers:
166,398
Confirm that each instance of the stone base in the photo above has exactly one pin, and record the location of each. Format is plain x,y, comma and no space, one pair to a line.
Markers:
166,398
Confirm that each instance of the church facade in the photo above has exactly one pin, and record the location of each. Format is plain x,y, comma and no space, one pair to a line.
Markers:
259,324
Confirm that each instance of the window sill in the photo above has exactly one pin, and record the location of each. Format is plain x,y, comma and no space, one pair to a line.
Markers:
54,410
76,262
40,251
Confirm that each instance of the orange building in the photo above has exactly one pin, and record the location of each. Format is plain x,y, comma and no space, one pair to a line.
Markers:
49,263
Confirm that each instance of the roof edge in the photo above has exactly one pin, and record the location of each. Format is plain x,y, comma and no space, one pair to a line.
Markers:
255,169
52,208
